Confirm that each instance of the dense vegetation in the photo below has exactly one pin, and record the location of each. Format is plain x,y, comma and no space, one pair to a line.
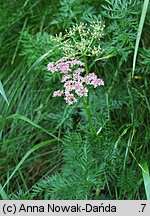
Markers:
97,149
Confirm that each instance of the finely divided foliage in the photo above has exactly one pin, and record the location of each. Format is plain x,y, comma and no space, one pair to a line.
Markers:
74,99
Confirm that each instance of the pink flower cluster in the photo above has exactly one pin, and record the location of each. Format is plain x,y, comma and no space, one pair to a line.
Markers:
73,83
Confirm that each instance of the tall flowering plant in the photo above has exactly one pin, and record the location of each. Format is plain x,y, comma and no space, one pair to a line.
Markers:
74,82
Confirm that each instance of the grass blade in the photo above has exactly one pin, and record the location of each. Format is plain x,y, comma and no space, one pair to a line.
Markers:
3,193
19,41
23,159
143,15
2,92
146,178
27,73
21,117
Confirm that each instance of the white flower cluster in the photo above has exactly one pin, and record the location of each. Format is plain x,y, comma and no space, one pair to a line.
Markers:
82,39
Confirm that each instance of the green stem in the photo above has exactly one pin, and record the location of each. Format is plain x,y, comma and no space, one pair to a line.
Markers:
86,107
87,72
86,66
